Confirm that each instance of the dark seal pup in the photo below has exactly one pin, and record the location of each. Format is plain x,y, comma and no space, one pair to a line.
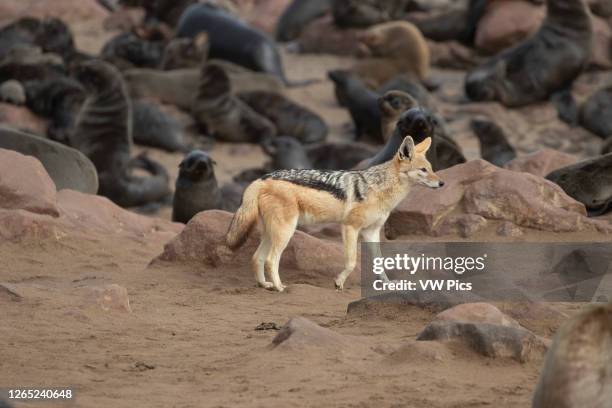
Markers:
155,128
589,182
233,40
596,113
197,188
392,104
286,153
298,15
290,118
544,64
494,146
103,133
224,115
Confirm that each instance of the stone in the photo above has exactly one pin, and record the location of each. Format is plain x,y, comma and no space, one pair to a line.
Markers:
110,297
489,340
507,22
479,312
299,333
24,184
508,229
578,368
541,162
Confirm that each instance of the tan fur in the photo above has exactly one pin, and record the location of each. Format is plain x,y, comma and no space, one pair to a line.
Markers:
279,206
393,48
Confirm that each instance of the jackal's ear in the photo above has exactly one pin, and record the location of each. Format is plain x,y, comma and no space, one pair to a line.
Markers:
406,150
424,146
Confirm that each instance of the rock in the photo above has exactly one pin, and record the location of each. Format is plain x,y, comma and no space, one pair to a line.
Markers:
479,188
21,118
20,225
24,184
508,229
477,313
602,44
506,23
68,167
300,332
10,292
578,367
490,340
203,242
12,92
542,162
107,297
323,37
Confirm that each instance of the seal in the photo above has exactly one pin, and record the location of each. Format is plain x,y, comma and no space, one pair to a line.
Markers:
28,62
453,24
12,92
392,104
420,123
589,182
224,115
392,48
103,133
290,118
153,127
197,189
298,15
58,99
179,87
596,113
286,153
185,52
233,40
494,146
410,85
127,50
544,64
366,13
339,156
607,146
67,167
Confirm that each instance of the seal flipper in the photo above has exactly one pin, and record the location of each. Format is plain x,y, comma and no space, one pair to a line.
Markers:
566,106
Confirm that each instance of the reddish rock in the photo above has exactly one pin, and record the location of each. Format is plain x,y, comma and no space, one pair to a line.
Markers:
20,225
477,313
508,229
21,118
203,241
24,184
299,333
479,188
507,22
602,44
542,162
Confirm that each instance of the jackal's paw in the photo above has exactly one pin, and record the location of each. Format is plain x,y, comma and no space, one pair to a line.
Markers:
339,284
266,285
279,288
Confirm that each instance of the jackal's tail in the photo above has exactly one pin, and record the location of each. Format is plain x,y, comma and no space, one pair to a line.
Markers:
245,218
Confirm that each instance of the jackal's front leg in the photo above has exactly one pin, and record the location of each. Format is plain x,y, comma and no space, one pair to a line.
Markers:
372,237
349,237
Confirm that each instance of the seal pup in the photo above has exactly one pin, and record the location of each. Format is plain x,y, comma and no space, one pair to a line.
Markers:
225,115
339,156
290,118
494,146
577,371
392,104
410,85
127,50
155,128
196,188
390,49
103,132
233,40
546,63
286,153
12,92
596,113
297,16
589,182
366,13
185,52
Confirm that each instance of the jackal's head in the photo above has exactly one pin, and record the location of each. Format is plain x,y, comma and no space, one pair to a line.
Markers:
414,166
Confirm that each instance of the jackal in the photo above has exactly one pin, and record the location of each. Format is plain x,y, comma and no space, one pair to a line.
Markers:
360,201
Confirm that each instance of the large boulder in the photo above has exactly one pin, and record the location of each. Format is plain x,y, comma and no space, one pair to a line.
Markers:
24,184
506,22
203,242
578,368
68,167
542,162
478,188
299,333
490,340
477,313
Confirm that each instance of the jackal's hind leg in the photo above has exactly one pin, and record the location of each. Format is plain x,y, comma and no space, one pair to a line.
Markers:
349,237
259,259
280,233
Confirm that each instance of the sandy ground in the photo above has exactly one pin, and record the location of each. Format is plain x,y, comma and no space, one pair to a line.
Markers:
190,340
